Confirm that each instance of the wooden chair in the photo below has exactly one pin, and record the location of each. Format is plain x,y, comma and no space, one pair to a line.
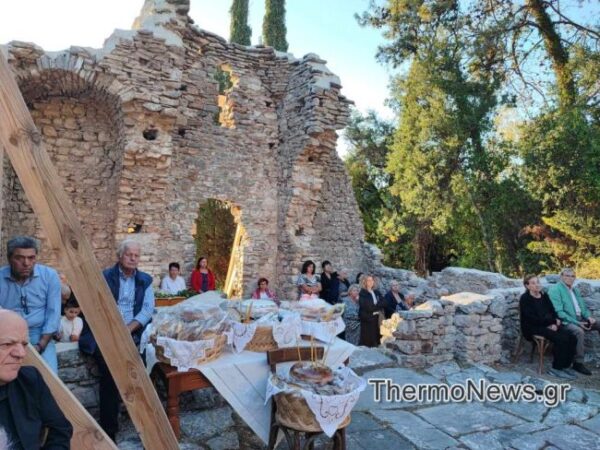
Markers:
539,343
175,384
293,436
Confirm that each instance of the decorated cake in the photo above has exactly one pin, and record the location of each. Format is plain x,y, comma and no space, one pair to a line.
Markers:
311,372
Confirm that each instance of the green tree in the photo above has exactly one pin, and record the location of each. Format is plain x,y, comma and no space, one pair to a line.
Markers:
273,28
511,38
369,138
239,30
455,179
215,231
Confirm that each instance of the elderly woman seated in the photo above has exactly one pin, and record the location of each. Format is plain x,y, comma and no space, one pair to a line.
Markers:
263,292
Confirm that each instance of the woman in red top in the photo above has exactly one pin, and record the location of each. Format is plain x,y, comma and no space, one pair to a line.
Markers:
202,277
263,291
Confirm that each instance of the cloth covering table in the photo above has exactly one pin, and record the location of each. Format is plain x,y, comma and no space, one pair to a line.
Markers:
241,378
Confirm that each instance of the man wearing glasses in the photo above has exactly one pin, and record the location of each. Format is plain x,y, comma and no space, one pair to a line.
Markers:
573,313
33,291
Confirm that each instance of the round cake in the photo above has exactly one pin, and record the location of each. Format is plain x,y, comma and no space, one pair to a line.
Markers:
309,372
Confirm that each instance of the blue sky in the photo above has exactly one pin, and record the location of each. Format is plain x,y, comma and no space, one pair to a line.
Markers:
325,27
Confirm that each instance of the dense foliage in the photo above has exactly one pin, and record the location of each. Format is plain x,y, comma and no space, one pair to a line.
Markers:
451,182
215,231
239,30
274,29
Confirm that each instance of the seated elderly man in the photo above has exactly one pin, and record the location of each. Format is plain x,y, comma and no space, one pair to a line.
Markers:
573,313
29,415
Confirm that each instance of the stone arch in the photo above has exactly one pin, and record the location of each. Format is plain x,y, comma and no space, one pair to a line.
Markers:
181,244
215,228
81,123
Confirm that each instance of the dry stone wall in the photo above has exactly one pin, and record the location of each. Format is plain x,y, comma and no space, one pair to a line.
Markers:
141,136
477,323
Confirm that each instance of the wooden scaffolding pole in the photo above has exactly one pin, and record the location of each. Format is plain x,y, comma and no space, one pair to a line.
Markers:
86,432
23,144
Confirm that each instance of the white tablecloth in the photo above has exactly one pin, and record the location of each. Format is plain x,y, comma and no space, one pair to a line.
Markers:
241,378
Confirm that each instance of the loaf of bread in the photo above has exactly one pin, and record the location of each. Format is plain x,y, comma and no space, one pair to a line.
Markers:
190,321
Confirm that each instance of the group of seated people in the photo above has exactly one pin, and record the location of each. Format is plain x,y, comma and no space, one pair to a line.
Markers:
202,278
365,306
561,316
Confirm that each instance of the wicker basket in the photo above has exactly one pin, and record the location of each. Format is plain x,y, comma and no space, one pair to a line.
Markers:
262,341
293,412
210,353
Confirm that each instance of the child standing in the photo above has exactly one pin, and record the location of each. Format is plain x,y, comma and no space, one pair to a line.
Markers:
70,324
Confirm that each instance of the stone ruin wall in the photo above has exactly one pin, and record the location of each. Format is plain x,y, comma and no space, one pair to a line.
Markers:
274,160
131,130
467,315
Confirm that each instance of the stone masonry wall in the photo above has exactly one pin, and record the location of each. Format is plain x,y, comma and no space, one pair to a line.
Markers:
83,144
479,327
134,132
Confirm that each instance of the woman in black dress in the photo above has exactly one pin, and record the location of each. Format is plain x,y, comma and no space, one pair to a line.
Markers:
370,306
539,318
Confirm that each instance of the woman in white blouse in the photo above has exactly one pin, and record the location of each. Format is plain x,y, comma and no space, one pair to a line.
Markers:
173,283
309,283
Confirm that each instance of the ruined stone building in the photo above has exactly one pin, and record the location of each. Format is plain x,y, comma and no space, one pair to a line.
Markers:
142,133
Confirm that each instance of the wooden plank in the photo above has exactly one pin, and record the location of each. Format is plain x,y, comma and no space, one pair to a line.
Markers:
23,144
237,240
87,434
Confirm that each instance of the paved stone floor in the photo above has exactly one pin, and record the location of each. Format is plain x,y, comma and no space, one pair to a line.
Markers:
574,424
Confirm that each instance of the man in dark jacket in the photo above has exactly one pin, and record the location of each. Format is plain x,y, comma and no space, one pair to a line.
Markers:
27,408
132,290
331,283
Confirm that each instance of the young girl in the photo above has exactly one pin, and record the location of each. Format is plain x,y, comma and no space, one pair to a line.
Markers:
70,324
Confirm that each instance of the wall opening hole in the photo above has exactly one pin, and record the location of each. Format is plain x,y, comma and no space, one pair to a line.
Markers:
299,231
223,77
226,82
311,159
181,132
134,228
268,104
183,87
150,134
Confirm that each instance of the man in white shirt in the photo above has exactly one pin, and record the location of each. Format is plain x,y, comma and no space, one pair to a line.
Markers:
173,283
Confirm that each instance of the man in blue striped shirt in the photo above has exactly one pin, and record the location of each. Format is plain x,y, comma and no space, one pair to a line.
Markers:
33,291
133,293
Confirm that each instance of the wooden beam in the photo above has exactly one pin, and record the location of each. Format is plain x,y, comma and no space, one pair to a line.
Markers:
235,250
23,144
87,434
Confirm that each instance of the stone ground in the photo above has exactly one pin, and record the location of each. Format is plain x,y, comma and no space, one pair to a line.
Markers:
574,424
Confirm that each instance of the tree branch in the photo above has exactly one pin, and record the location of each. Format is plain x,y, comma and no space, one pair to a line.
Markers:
566,21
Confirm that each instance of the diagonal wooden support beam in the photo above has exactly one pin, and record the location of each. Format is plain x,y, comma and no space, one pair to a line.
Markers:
23,144
86,432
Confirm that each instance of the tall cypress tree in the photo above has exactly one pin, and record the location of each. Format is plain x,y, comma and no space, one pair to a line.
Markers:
239,31
274,25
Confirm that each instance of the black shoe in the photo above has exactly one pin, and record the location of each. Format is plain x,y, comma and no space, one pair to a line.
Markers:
579,367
